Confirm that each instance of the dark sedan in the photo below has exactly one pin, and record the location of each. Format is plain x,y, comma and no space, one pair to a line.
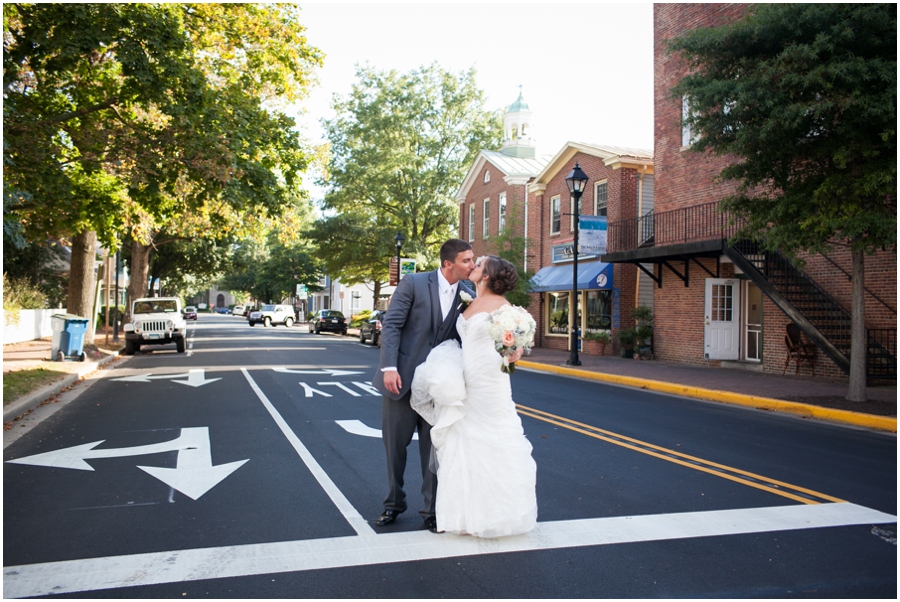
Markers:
328,320
371,329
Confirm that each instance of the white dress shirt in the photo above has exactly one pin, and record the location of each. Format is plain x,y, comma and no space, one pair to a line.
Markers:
447,294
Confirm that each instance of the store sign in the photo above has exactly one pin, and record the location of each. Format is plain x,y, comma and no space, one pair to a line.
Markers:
592,234
563,252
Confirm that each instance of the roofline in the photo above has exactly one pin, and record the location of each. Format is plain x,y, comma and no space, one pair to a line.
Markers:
610,158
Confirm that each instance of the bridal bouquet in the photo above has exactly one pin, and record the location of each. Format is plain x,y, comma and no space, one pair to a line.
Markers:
512,328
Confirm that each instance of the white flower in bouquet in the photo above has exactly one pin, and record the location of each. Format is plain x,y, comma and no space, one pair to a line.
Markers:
512,328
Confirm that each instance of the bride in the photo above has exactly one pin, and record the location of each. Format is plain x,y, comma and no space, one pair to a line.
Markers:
486,475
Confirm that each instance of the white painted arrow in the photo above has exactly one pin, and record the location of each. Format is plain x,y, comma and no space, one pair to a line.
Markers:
195,378
194,474
323,371
357,427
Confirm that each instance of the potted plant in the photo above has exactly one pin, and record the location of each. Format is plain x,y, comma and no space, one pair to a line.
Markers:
627,338
644,330
595,342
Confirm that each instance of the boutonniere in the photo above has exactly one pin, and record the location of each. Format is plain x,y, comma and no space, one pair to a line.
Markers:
465,298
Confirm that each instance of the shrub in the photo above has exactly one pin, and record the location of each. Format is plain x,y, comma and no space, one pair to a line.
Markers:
627,338
21,294
602,336
357,320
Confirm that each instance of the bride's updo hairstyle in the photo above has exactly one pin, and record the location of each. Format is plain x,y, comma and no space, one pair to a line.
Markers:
502,275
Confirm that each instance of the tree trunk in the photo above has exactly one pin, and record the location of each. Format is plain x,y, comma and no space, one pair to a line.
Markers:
140,268
858,343
376,294
80,301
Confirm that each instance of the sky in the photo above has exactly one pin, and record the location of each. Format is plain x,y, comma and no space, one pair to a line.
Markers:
586,69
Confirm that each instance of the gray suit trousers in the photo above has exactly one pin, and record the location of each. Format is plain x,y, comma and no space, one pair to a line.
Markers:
398,424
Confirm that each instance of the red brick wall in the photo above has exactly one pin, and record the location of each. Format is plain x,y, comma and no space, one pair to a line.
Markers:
515,201
682,178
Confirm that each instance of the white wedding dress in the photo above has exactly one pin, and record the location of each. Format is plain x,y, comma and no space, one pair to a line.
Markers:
486,475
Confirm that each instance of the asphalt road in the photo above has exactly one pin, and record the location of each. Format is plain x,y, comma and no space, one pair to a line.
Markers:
251,467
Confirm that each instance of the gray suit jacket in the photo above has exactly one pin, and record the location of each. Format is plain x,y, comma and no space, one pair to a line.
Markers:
412,326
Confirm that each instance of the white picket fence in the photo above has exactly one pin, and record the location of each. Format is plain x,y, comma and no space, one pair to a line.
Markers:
32,324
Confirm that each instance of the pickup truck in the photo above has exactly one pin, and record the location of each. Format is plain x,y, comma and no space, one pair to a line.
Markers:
155,321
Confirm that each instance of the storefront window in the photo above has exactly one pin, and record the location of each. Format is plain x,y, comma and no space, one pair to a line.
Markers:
599,311
558,313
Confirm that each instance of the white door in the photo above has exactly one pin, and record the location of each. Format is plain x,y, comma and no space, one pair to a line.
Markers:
722,319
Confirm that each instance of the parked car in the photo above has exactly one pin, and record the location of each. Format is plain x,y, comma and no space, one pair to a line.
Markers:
371,329
189,312
155,321
223,310
328,320
237,310
270,315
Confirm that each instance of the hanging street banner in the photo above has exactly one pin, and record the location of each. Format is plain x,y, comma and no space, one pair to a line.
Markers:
592,234
407,266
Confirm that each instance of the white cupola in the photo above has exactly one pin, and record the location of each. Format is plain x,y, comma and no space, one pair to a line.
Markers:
517,130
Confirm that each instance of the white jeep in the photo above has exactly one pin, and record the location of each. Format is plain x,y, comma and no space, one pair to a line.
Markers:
155,321
270,315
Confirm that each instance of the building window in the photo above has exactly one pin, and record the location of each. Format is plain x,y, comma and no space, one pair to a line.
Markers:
487,218
600,198
502,226
599,311
487,176
472,222
555,215
354,301
687,137
558,313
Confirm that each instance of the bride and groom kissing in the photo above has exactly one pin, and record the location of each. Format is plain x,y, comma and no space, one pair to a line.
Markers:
440,374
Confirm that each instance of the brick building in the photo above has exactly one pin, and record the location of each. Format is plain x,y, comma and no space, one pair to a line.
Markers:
730,305
518,189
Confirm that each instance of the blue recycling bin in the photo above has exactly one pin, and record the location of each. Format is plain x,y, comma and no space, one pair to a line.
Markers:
68,336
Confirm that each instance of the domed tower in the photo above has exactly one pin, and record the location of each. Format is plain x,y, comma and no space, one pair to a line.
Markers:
517,130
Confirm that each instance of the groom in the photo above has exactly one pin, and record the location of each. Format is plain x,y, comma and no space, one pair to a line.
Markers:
422,315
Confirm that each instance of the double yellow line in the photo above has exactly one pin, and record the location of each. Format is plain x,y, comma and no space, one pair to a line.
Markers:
799,494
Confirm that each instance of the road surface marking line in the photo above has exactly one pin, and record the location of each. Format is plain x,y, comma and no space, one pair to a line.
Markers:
640,446
178,566
359,524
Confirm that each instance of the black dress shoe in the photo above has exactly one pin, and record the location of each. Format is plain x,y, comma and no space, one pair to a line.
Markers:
431,525
387,517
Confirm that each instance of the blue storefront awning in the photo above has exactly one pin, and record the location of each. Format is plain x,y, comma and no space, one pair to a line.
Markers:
592,275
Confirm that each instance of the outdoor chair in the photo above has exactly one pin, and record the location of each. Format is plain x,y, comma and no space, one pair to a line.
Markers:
798,349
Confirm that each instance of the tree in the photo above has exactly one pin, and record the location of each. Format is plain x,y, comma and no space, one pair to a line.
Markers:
511,247
804,97
133,118
400,145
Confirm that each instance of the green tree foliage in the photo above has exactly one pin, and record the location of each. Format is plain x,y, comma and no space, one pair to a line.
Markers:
143,118
400,145
270,272
512,247
804,97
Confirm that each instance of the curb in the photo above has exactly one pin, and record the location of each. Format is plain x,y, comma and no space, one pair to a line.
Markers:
36,398
882,423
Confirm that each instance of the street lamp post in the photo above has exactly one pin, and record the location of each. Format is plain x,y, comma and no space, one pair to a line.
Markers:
398,240
576,182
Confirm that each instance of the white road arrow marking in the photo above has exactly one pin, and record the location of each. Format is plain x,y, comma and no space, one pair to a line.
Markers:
356,427
193,476
342,386
194,473
195,378
323,371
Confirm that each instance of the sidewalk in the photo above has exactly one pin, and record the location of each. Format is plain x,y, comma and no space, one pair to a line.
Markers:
816,398
31,355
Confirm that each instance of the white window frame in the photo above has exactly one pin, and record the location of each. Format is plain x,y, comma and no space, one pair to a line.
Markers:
555,207
355,297
487,176
597,205
472,222
486,218
687,136
502,208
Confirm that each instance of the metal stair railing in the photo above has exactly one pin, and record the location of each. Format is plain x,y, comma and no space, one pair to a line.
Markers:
817,313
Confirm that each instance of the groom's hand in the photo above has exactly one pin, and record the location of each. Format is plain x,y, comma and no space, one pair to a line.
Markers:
392,381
